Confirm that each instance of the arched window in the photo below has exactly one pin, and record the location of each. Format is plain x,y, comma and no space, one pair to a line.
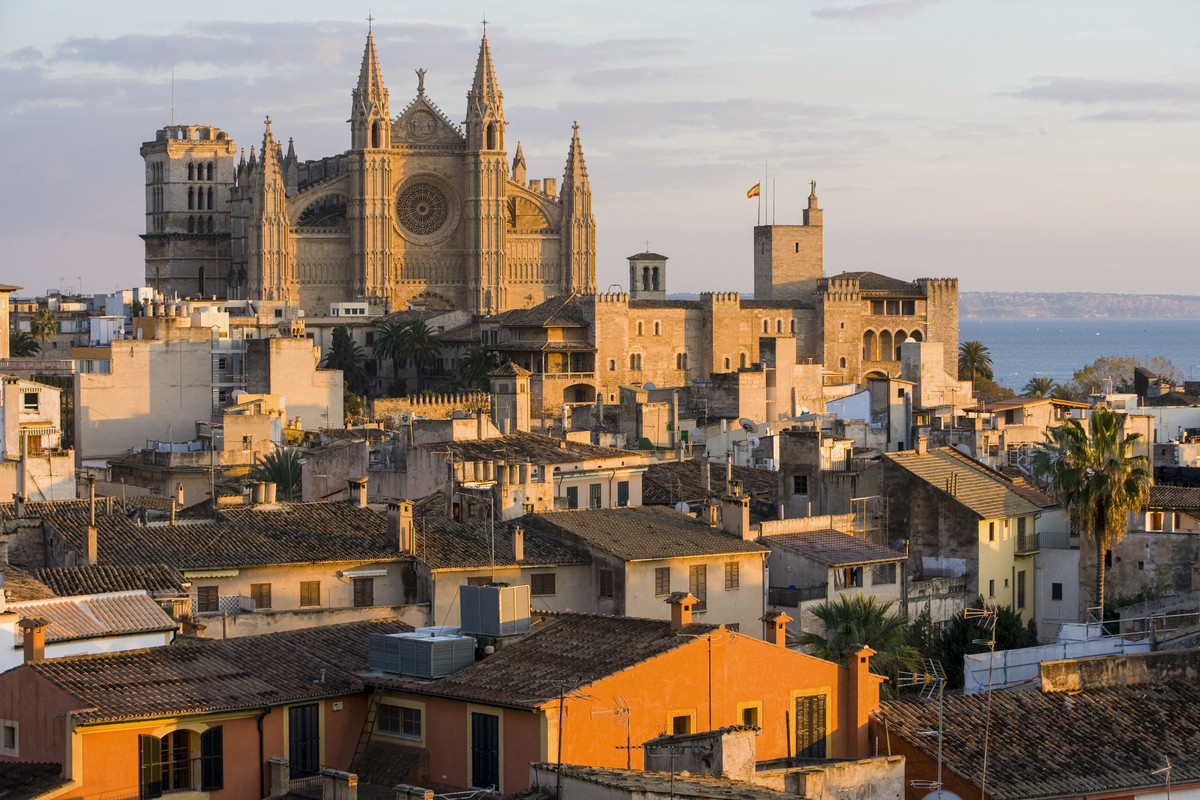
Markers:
681,361
191,172
726,363
654,278
191,224
869,346
657,328
181,761
645,279
491,136
916,336
901,338
210,199
612,365
635,361
766,326
885,346
793,325
842,363
191,199
639,329
375,138
742,361
210,166
779,326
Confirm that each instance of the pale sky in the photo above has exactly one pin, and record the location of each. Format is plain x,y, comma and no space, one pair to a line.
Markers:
1018,145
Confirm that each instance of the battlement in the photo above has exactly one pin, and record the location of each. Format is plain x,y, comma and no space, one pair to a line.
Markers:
432,406
842,290
612,297
943,284
721,297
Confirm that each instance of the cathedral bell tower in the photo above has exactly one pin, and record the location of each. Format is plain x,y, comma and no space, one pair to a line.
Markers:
486,171
579,226
368,212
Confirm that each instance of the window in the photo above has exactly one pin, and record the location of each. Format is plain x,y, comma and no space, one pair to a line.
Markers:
727,363
639,328
1020,527
1154,519
750,716
698,585
657,328
260,593
9,739
766,326
680,724
606,582
593,495
1056,591
810,726
310,593
883,574
168,765
1021,589
635,361
681,361
799,484
992,588
29,402
991,531
207,601
572,497
364,592
732,578
399,721
612,365
848,577
1141,566
479,580
622,494
541,584
900,393
662,581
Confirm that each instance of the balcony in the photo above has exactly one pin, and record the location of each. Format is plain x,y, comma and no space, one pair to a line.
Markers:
792,597
1027,544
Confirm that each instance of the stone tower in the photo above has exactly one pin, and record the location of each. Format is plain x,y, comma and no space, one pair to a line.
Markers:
648,277
578,226
368,214
189,170
510,398
486,168
789,259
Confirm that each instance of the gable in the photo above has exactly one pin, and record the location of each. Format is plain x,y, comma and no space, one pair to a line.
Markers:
424,123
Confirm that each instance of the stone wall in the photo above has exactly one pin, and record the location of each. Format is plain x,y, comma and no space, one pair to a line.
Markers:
430,406
1129,670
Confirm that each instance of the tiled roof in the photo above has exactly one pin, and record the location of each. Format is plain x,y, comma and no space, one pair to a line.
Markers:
20,585
443,543
833,547
642,303
647,255
579,648
96,615
985,492
1059,744
1181,498
26,780
874,282
641,533
666,483
157,579
49,508
193,676
527,447
1028,402
557,312
639,783
289,533
510,370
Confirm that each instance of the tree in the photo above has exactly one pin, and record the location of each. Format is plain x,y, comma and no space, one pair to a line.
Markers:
474,368
1095,377
23,345
420,348
1062,391
1039,386
1095,475
858,620
282,468
964,636
974,360
43,325
389,345
346,355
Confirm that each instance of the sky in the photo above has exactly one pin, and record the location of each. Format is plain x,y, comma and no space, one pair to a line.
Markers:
1018,145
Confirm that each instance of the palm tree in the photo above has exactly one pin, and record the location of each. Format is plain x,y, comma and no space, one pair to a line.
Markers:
475,366
1097,478
23,345
346,355
1039,386
974,360
421,348
282,468
857,620
43,325
389,344
1062,391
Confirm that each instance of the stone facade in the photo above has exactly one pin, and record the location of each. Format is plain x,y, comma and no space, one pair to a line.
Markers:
418,210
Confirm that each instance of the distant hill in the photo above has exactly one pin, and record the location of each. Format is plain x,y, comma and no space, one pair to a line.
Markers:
1065,305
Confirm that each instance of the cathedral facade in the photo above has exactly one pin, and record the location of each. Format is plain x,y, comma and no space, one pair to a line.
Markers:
416,212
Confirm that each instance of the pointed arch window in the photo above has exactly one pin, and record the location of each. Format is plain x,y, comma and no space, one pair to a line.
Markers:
210,223
210,166
742,361
191,224
191,199
766,326
191,172
375,134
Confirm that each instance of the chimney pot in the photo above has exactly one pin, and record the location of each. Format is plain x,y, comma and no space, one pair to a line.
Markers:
775,627
681,609
518,544
93,545
34,629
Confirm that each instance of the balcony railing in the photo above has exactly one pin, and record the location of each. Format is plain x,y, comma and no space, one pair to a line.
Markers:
226,604
1027,543
792,597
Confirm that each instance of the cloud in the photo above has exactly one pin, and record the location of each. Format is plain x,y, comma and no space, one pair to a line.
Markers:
1069,90
26,55
871,12
1142,115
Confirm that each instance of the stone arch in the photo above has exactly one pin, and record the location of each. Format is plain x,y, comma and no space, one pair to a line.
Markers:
326,210
869,346
579,393
900,338
917,337
885,346
432,301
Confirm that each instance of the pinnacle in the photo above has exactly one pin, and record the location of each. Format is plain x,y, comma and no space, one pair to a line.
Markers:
576,171
370,91
485,86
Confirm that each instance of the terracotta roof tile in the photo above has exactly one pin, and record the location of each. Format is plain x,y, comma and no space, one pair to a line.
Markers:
980,489
1181,498
640,783
533,448
26,780
157,579
642,533
580,648
20,585
96,615
874,282
833,547
665,483
198,675
1045,745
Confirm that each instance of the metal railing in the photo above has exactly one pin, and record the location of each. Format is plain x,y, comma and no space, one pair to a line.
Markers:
1027,543
226,604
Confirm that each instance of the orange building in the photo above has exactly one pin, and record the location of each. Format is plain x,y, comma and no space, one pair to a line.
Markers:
198,716
588,689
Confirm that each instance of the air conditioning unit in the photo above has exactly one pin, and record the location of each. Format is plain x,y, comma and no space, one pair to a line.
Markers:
424,653
494,610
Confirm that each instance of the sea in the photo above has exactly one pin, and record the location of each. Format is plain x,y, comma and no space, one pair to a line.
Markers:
1024,348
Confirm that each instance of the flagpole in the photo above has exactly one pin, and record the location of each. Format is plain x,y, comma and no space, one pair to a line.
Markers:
772,202
766,179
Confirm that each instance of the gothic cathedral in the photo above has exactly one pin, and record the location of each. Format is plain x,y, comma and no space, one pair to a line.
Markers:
417,211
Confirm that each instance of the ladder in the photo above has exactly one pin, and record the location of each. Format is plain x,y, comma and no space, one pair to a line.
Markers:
368,727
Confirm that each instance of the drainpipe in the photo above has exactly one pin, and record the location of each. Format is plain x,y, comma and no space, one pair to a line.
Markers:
262,764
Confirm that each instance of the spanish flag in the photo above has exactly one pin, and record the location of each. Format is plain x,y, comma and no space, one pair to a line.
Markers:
753,190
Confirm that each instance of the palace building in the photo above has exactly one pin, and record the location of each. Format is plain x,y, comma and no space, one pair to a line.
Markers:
417,211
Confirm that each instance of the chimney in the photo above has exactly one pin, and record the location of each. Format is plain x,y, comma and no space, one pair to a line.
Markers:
259,493
358,492
93,544
179,494
269,489
862,696
92,499
735,515
922,445
35,638
681,609
518,544
775,627
400,526
19,505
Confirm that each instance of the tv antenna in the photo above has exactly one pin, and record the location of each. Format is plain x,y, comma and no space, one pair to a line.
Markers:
932,683
1167,770
986,618
620,713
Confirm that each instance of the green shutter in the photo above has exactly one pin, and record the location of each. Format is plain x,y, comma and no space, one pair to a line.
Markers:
212,761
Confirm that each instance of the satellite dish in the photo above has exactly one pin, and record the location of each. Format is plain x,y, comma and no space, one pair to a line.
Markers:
748,425
695,434
648,386
941,794
962,448
682,507
754,442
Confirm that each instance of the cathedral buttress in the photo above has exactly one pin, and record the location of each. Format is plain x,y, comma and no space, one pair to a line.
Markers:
368,210
487,187
579,226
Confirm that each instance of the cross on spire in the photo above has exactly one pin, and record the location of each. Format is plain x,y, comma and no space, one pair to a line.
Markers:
647,245
370,21
485,25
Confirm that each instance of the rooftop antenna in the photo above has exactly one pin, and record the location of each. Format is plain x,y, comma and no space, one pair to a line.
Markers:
988,614
932,683
620,713
172,91
1167,770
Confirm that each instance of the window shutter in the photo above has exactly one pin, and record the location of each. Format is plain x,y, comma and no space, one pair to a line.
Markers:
149,768
212,760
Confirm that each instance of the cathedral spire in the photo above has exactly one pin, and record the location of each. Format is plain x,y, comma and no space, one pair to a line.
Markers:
369,114
518,166
485,89
576,172
485,105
